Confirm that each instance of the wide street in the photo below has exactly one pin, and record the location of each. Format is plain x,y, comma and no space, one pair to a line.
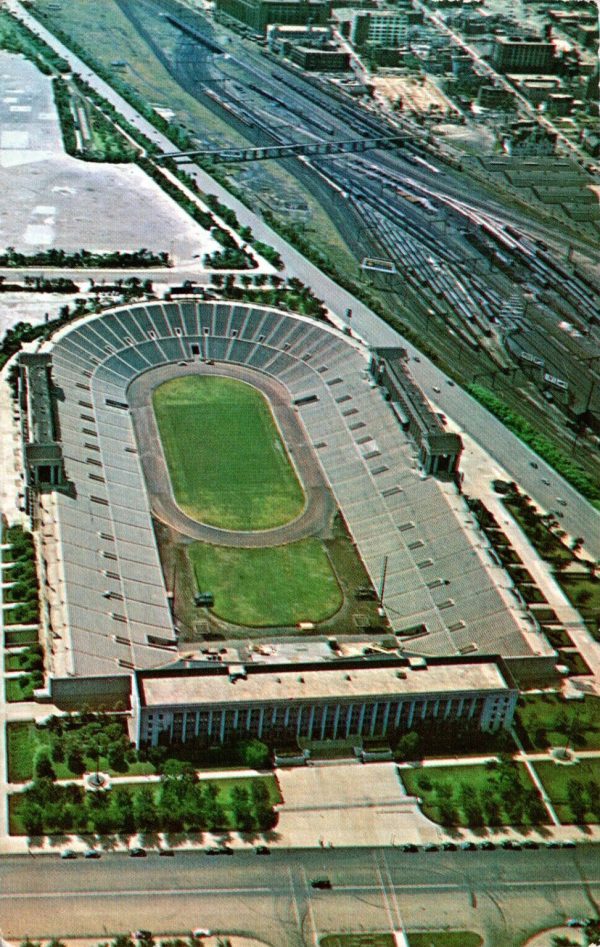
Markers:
500,893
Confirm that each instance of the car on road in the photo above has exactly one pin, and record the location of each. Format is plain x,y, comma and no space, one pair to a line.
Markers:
322,883
576,922
201,932
262,850
68,853
141,934
545,481
91,853
416,358
219,850
137,852
560,501
450,382
436,389
533,464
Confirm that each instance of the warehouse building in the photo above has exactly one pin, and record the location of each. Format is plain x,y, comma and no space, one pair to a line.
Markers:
320,701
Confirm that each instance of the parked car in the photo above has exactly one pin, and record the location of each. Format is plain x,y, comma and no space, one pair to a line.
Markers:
91,853
323,883
68,853
410,847
449,847
166,852
137,852
262,850
487,845
201,932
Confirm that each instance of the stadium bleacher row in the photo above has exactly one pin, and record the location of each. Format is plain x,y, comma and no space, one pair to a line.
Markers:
113,601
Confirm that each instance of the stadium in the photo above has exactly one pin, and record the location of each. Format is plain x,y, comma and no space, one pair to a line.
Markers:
112,455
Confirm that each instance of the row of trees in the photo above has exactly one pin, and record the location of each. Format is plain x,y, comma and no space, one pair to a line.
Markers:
179,802
86,259
540,443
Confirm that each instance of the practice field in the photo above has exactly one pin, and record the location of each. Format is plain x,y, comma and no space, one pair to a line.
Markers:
227,464
279,585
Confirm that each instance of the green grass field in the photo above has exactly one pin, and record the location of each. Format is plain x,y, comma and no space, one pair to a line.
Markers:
227,464
556,778
279,585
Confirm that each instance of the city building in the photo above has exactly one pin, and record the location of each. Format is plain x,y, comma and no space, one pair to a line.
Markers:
494,97
439,451
281,703
323,58
528,139
513,54
258,14
379,28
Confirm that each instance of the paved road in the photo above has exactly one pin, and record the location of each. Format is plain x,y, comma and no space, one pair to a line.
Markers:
497,893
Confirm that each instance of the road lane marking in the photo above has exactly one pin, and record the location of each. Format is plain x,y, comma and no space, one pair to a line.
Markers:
212,892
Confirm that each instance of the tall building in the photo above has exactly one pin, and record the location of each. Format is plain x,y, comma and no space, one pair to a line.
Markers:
513,54
379,28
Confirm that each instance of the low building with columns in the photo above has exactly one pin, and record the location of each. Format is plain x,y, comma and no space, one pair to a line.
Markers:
320,701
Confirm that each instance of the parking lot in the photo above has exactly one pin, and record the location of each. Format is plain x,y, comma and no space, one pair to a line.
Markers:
48,199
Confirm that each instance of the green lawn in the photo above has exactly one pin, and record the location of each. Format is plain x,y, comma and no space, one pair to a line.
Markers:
584,593
548,720
445,939
18,688
227,464
442,789
556,778
280,585
14,662
22,636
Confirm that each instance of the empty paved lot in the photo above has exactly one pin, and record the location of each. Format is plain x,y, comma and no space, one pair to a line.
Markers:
48,199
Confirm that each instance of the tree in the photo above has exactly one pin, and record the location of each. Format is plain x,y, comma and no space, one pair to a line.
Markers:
470,804
576,800
42,765
32,818
144,809
116,757
408,745
122,810
255,754
75,760
241,809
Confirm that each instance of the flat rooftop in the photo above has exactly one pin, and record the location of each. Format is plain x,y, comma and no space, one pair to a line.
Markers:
356,683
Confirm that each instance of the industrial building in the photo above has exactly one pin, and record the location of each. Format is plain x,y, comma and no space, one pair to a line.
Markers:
319,701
